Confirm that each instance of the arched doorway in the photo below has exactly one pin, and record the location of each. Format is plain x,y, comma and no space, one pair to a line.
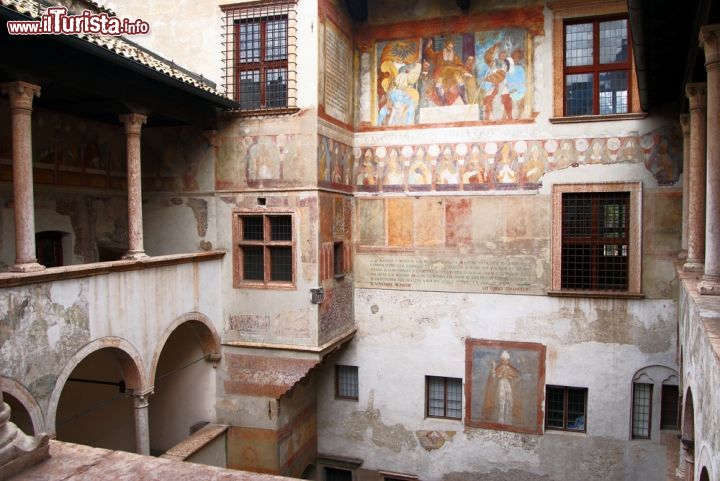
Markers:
19,415
704,476
688,433
184,384
94,407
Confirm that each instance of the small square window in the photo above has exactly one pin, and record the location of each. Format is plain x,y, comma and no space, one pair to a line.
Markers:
264,247
443,397
346,382
565,408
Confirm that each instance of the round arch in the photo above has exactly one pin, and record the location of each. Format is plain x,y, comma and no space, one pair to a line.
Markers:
704,475
688,417
206,333
128,358
25,397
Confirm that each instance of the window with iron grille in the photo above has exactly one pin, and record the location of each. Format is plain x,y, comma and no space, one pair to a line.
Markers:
595,239
259,42
346,382
443,397
264,250
565,408
597,66
642,410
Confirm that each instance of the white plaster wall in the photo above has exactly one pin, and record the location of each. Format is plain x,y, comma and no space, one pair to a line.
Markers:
404,336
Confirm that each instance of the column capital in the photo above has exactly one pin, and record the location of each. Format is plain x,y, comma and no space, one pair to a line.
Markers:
697,95
710,42
21,94
133,122
685,124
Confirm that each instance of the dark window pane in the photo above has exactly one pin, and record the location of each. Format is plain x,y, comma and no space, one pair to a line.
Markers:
347,381
249,41
280,228
338,258
436,396
253,264
252,228
454,398
48,248
576,409
276,40
578,44
576,215
576,267
669,407
642,397
276,87
332,474
613,41
613,92
554,407
579,94
250,89
281,264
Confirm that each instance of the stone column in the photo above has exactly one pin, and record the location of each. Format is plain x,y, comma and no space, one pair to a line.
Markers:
696,93
689,464
710,39
18,450
21,99
142,425
685,124
133,126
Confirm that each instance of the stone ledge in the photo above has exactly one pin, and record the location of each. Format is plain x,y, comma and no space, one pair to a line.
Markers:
708,307
13,279
194,443
84,463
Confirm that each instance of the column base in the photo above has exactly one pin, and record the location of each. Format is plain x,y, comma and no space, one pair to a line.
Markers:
693,265
134,256
709,285
27,267
682,255
26,459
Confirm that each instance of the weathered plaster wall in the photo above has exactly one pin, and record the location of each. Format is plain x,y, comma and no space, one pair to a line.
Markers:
404,336
698,323
51,326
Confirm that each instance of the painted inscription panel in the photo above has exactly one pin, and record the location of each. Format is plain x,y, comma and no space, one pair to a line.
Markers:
486,274
504,387
461,77
338,75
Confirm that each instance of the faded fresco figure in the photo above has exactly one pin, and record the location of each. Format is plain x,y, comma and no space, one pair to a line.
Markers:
501,74
474,172
452,81
393,171
447,171
500,404
534,166
367,176
419,173
505,171
397,83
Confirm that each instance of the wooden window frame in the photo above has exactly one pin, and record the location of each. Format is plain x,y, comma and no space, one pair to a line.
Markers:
262,65
565,409
266,244
650,412
596,67
634,241
338,368
445,397
567,10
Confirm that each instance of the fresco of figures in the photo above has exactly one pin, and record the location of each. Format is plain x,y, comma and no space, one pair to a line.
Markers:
335,164
465,77
508,165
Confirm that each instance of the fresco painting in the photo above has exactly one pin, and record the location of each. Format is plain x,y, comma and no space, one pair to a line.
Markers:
335,163
505,384
465,77
508,165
